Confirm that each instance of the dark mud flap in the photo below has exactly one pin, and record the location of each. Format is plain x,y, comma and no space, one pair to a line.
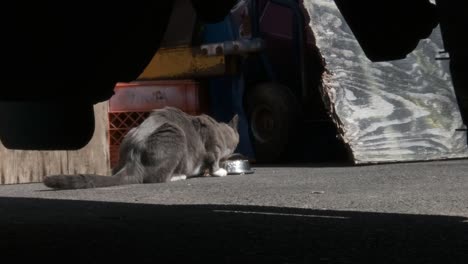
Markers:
388,30
46,126
390,111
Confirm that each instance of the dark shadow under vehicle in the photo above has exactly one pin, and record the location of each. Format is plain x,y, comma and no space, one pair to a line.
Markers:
94,232
61,58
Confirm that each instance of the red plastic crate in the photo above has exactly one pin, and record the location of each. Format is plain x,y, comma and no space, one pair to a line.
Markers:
132,103
147,95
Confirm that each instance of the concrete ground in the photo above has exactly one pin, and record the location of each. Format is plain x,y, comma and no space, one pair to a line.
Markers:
394,213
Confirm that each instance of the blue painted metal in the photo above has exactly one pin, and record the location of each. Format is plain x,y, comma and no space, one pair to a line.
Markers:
225,102
227,92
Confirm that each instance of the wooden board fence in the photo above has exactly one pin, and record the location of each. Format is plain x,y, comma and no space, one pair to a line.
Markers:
17,166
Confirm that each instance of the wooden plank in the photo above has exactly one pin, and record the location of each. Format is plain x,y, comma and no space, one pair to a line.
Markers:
402,110
94,158
19,166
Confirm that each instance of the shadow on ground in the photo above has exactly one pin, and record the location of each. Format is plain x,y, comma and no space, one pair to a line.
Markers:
93,232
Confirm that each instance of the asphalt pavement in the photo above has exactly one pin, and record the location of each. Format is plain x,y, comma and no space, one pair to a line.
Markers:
305,213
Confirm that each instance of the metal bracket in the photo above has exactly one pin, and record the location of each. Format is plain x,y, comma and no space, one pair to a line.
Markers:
237,47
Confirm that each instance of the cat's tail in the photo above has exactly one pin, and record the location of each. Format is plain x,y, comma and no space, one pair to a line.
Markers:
83,181
80,181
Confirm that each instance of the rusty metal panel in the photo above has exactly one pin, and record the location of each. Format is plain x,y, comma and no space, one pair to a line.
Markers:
183,62
401,110
178,58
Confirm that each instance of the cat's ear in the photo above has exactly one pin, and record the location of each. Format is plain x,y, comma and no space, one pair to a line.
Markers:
234,122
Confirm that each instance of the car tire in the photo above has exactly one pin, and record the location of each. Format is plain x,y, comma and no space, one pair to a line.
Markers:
273,112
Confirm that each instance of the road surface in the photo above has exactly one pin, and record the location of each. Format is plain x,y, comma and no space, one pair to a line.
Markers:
393,213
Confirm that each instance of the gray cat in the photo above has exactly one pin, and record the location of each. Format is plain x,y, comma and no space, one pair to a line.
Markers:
169,145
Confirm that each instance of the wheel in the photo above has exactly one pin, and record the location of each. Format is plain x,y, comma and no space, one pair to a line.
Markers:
273,113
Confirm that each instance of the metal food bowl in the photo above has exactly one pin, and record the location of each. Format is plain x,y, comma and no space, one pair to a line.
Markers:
237,164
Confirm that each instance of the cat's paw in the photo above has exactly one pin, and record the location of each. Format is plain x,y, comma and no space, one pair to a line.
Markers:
178,178
220,173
